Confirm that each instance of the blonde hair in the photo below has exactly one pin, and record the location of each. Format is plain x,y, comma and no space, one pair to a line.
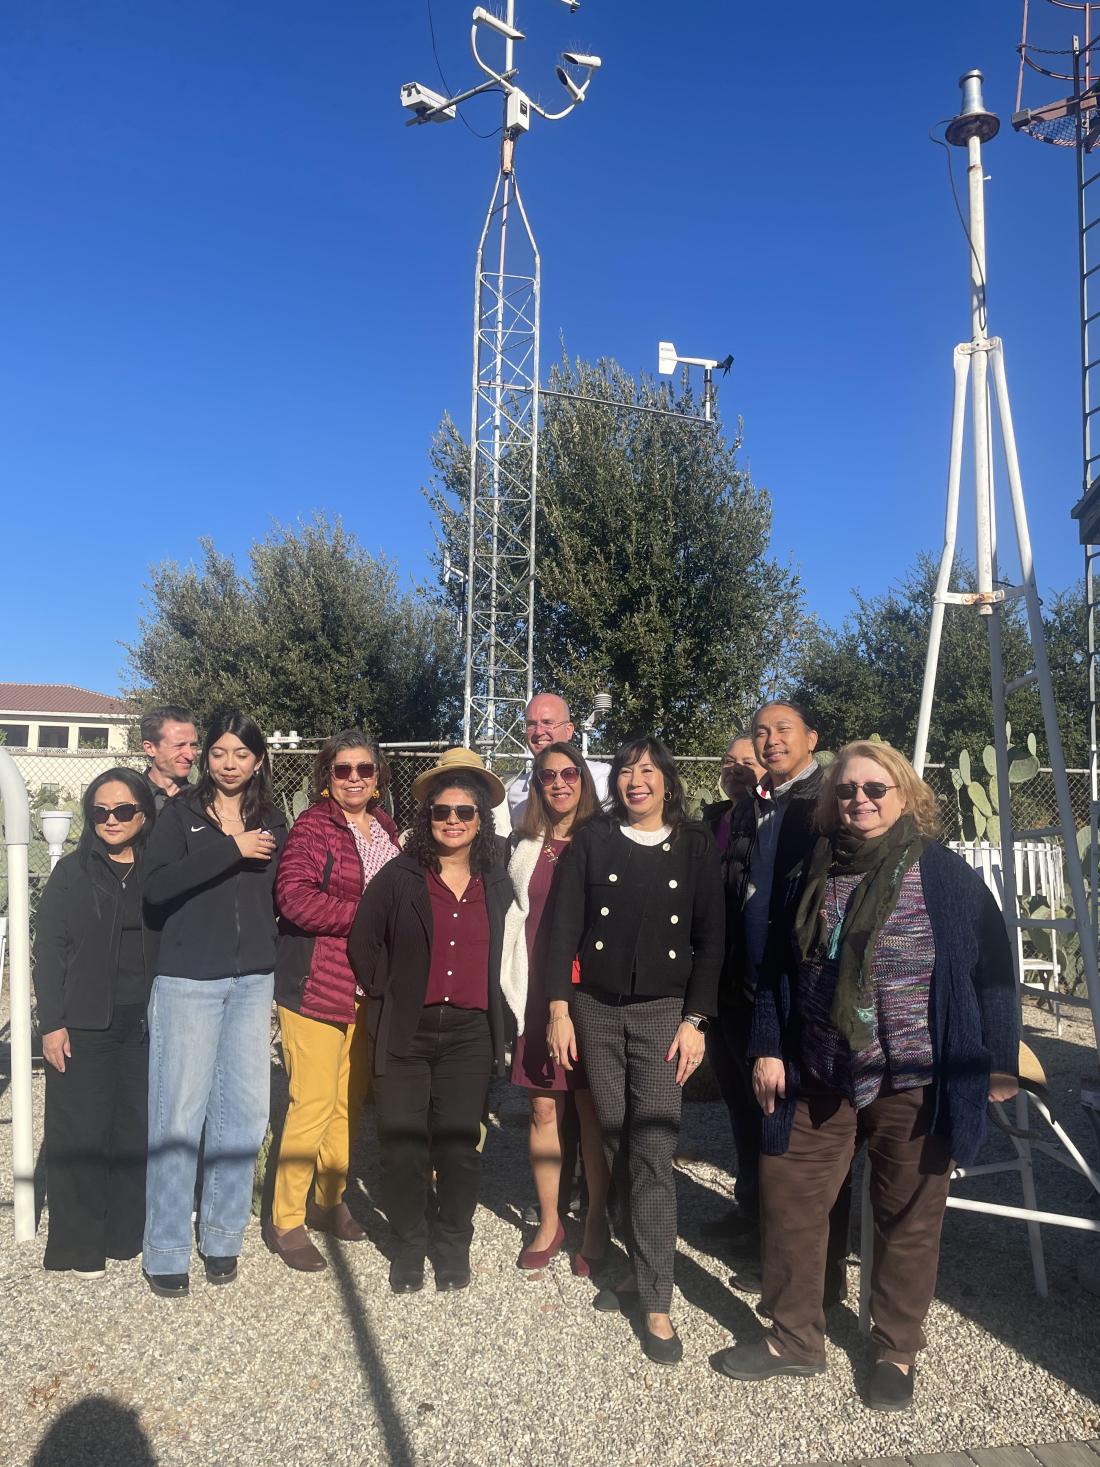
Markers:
920,799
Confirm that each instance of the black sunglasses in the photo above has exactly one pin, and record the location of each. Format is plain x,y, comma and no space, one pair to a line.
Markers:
344,771
122,813
569,775
465,813
873,789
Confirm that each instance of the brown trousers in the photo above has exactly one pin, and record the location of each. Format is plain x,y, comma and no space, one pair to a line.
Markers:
910,1175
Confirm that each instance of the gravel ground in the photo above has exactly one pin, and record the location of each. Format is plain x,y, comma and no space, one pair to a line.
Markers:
300,1369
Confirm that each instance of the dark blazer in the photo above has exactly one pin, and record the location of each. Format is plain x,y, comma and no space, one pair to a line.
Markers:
667,927
974,1009
390,948
796,839
76,943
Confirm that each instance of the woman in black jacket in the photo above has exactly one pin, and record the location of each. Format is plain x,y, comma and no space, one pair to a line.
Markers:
426,946
90,979
209,889
640,901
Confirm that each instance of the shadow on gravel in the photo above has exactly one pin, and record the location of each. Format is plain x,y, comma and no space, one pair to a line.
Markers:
96,1432
399,1452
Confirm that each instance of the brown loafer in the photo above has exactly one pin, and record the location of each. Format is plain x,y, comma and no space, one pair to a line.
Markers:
336,1221
294,1248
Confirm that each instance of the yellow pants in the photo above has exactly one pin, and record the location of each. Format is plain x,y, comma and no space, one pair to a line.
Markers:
329,1073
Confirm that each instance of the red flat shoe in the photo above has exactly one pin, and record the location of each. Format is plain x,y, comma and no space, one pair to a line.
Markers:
532,1258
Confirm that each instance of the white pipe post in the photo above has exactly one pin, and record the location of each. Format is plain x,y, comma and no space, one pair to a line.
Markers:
947,559
17,839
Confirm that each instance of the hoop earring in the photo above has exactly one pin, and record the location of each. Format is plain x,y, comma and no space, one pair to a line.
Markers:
668,794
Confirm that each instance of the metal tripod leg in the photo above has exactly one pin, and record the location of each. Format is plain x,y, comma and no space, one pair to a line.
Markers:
1085,934
961,363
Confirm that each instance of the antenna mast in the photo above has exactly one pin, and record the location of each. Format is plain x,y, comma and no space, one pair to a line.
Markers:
500,558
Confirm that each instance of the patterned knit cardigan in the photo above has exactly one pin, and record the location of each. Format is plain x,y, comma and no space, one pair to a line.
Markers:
974,1009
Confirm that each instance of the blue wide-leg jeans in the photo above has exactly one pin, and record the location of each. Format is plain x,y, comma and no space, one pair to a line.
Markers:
209,1063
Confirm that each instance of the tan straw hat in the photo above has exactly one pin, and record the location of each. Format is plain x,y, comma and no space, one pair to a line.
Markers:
459,761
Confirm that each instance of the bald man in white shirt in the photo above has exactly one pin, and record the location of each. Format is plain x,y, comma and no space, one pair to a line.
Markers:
547,720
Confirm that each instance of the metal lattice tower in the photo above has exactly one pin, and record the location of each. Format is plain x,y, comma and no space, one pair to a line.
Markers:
504,428
1073,121
500,564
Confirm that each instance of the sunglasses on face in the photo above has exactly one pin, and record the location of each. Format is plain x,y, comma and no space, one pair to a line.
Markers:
442,813
873,789
122,813
345,771
569,775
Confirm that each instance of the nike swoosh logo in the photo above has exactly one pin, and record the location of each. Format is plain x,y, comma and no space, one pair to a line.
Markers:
197,827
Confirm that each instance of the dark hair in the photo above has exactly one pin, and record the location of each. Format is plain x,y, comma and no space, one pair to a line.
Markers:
152,723
257,804
421,843
348,738
783,703
675,801
138,786
537,822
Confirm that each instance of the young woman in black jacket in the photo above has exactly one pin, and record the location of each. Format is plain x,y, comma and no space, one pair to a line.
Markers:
640,902
209,890
91,983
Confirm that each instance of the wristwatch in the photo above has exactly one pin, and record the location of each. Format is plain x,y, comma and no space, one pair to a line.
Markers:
697,1021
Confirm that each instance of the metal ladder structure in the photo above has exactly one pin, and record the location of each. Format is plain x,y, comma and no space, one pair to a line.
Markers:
979,369
1073,121
976,362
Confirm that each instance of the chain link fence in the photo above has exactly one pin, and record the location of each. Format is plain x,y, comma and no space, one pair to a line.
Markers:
57,779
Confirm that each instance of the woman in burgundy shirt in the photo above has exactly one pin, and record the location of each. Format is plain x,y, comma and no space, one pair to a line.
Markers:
426,948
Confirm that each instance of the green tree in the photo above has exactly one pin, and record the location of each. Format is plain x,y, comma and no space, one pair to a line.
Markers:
866,677
654,578
317,636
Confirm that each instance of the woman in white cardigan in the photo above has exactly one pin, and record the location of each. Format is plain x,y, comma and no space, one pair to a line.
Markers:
562,797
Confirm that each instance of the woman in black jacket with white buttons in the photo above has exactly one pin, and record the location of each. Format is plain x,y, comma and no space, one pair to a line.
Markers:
640,901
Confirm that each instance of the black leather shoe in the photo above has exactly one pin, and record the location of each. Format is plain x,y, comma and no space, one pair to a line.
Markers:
891,1389
620,1301
737,1223
450,1280
406,1276
756,1362
168,1285
220,1270
662,1352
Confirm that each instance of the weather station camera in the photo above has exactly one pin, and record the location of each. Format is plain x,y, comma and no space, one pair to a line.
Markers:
428,106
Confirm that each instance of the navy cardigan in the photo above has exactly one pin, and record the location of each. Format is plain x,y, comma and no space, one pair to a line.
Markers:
974,1009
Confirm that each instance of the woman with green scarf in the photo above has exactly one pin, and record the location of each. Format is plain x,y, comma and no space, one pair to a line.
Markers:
892,1019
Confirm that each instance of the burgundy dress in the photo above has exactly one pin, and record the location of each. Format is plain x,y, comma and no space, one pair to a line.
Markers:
532,1066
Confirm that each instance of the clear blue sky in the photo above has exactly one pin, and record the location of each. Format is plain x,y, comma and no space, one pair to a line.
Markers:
235,288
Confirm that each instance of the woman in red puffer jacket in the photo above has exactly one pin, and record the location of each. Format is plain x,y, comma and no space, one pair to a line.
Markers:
334,849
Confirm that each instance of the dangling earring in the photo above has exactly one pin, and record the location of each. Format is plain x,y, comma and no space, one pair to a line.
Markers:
668,794
324,793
